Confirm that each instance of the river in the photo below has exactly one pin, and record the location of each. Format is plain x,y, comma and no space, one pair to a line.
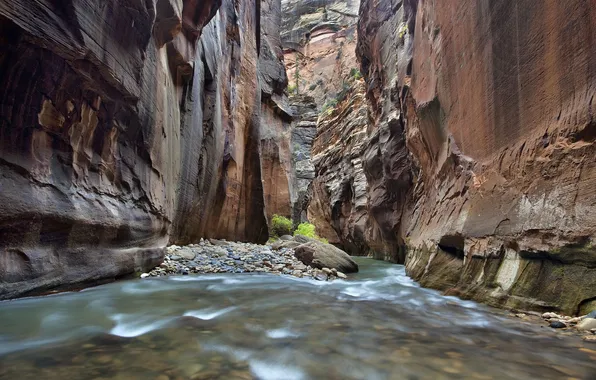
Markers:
379,324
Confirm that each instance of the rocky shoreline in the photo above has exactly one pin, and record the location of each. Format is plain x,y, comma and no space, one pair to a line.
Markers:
584,325
283,257
221,256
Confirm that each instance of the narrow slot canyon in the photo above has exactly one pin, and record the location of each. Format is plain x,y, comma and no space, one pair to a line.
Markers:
285,189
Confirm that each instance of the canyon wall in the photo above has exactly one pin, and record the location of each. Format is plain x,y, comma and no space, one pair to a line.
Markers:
479,153
125,125
319,46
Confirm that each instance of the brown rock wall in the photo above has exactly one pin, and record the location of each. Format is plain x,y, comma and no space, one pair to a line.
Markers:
479,152
117,136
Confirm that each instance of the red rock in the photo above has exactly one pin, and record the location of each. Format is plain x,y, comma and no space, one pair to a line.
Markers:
128,125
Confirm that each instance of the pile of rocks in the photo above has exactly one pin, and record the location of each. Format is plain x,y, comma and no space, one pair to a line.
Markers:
220,256
585,324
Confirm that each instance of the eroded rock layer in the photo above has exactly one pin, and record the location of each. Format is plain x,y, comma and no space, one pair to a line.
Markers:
319,40
127,124
319,45
479,153
501,124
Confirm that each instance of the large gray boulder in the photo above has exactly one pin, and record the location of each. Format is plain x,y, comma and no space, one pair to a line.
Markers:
321,255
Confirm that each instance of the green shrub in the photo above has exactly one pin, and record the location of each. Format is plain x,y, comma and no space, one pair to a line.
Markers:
403,30
343,93
312,87
355,74
305,229
280,226
329,106
308,230
292,88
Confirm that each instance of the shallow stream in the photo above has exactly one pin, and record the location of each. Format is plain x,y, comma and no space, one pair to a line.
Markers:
379,324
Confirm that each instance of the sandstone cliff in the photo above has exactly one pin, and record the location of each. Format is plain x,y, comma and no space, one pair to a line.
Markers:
479,154
128,124
319,42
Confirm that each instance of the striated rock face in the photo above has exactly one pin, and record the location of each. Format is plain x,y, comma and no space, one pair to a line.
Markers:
129,124
478,152
513,148
304,129
319,41
338,204
482,155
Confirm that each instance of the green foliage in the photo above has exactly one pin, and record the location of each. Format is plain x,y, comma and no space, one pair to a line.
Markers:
355,74
280,225
343,93
403,30
308,230
328,107
312,87
292,88
305,229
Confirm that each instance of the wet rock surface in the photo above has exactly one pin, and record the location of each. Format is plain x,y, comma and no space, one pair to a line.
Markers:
584,326
220,256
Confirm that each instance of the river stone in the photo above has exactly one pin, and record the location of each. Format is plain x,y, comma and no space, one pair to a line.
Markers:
286,237
299,266
587,324
304,239
285,244
341,275
321,255
557,325
186,253
321,276
216,251
592,315
221,243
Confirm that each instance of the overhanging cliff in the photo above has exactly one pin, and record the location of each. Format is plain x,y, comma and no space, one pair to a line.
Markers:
125,125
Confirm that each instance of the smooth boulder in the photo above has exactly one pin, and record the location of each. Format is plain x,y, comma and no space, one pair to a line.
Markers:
285,244
587,324
321,255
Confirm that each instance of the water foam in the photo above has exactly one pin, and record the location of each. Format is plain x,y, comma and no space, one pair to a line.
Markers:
209,313
282,333
128,325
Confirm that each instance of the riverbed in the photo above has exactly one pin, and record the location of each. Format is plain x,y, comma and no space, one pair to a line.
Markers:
377,324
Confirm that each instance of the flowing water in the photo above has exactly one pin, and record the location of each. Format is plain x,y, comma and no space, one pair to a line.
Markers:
377,325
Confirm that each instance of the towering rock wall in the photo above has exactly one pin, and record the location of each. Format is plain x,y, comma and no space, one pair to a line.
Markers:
479,154
319,42
500,121
127,124
338,202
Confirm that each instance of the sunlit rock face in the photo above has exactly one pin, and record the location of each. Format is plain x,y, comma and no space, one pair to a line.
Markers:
482,155
319,40
319,44
132,123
